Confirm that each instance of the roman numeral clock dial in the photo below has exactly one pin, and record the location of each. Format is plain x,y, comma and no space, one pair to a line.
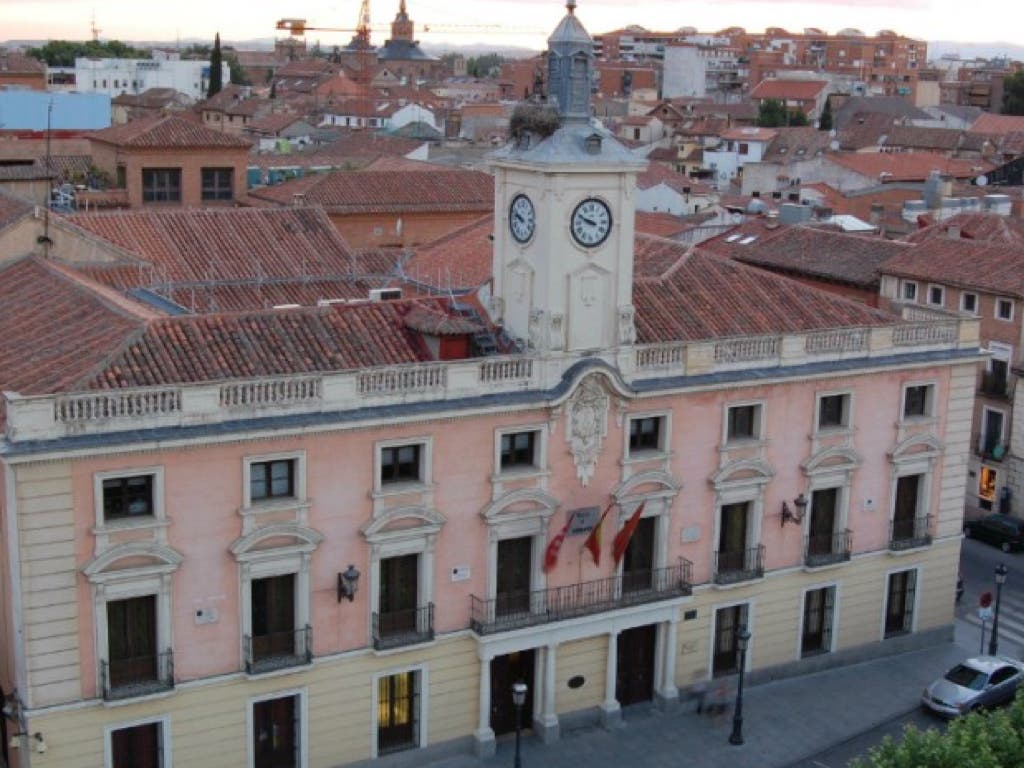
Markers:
591,222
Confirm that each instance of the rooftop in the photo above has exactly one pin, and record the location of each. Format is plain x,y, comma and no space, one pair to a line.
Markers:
168,132
984,266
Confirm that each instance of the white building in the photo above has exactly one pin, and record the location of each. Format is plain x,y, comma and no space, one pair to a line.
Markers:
739,146
692,70
117,76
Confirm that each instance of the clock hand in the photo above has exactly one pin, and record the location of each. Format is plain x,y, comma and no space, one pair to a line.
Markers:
591,222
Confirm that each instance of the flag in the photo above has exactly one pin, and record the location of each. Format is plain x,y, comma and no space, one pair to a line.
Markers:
622,537
593,542
551,553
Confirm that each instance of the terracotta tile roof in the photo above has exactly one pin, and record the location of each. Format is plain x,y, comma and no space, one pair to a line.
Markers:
656,174
794,144
820,253
914,137
744,110
12,209
351,150
226,97
205,348
54,329
663,154
659,224
250,295
167,132
1012,143
151,98
436,321
907,166
704,296
28,169
865,129
985,266
997,125
461,259
20,64
987,227
396,163
750,134
204,246
802,90
273,123
389,191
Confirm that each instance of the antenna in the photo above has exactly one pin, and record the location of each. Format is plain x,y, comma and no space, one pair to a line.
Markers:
94,29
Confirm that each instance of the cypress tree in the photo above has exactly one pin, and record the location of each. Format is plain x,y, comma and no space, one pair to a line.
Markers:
825,121
216,64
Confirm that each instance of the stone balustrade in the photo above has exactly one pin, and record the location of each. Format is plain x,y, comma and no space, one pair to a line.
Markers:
55,416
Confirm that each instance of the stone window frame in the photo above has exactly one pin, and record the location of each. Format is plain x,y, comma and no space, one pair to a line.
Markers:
426,460
833,635
759,427
503,523
963,303
422,670
848,421
932,287
929,415
298,480
664,448
164,720
303,739
999,303
157,519
915,611
540,451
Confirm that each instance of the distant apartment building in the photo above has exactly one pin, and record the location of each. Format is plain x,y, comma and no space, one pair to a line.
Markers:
165,70
691,70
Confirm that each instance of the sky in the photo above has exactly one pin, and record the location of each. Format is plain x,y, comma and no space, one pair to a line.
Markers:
501,22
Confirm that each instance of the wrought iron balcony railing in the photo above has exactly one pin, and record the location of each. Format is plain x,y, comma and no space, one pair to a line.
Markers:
826,550
409,627
910,533
732,566
278,650
137,676
541,606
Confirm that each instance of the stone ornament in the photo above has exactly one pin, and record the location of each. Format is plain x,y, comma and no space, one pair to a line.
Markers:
587,426
627,325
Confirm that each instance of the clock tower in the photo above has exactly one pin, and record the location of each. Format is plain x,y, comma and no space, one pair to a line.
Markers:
563,218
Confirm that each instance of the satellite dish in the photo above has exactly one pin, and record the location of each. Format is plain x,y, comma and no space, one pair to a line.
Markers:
982,180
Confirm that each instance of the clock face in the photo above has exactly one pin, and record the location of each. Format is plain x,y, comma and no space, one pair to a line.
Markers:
521,218
591,222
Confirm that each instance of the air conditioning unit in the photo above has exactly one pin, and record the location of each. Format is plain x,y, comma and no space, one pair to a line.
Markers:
385,294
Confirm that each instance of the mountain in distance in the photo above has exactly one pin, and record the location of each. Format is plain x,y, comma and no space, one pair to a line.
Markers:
939,48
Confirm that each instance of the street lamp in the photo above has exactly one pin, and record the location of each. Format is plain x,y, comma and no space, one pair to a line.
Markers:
519,698
742,638
993,640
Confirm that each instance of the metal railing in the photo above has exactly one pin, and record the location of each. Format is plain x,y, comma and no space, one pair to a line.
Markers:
910,532
278,650
826,550
408,627
137,675
739,565
541,606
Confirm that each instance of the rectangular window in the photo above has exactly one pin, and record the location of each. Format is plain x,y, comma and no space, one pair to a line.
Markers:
401,464
645,434
276,740
161,185
936,295
725,660
917,401
398,713
744,148
816,635
127,497
271,480
909,292
273,618
518,449
139,746
969,303
833,411
992,433
218,183
744,422
1004,309
899,605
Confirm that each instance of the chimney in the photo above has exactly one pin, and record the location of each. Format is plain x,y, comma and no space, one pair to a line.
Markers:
953,232
298,199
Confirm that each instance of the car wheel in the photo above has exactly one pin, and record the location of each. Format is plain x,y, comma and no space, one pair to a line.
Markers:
1005,546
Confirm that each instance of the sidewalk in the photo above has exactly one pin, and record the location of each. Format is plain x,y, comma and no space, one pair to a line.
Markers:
783,721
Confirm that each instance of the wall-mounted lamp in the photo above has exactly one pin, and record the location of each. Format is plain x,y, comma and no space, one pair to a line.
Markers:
788,515
38,743
348,583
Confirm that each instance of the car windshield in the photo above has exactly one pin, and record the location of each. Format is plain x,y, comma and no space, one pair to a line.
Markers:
966,677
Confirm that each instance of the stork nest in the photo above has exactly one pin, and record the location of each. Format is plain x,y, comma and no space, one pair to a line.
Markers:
533,119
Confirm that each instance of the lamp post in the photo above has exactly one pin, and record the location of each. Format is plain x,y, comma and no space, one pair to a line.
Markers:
742,638
993,640
519,698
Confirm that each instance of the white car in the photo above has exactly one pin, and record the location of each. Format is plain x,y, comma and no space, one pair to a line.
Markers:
979,682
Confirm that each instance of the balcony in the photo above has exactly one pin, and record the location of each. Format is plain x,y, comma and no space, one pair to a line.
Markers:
137,676
828,550
278,650
741,565
994,384
399,628
543,606
910,533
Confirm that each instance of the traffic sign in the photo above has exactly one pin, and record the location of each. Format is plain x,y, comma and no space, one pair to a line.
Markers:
985,599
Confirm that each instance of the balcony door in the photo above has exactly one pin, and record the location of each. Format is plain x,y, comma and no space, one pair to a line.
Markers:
638,560
732,537
273,616
822,525
515,565
398,594
905,511
131,639
275,729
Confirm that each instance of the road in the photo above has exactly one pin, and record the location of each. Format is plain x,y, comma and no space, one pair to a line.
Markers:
977,563
839,755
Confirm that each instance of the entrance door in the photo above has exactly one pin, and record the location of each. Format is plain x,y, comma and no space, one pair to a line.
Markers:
274,733
635,665
506,670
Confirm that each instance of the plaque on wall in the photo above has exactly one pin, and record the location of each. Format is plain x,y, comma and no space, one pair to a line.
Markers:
583,520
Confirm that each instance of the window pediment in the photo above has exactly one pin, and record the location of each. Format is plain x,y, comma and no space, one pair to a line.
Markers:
275,538
131,559
524,502
834,459
743,472
646,485
923,446
403,521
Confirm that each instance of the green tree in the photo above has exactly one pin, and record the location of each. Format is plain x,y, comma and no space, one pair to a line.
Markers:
979,740
62,53
771,113
1013,94
488,65
825,121
216,63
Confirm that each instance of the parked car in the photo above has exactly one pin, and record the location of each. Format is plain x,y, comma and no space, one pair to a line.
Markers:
983,681
1005,531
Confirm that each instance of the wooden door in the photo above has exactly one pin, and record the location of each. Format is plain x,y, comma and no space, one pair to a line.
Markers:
635,665
136,747
275,733
506,670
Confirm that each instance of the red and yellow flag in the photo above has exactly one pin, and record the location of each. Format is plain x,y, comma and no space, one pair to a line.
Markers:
622,537
593,542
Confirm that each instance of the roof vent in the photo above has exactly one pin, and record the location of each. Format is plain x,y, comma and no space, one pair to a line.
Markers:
592,144
385,294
